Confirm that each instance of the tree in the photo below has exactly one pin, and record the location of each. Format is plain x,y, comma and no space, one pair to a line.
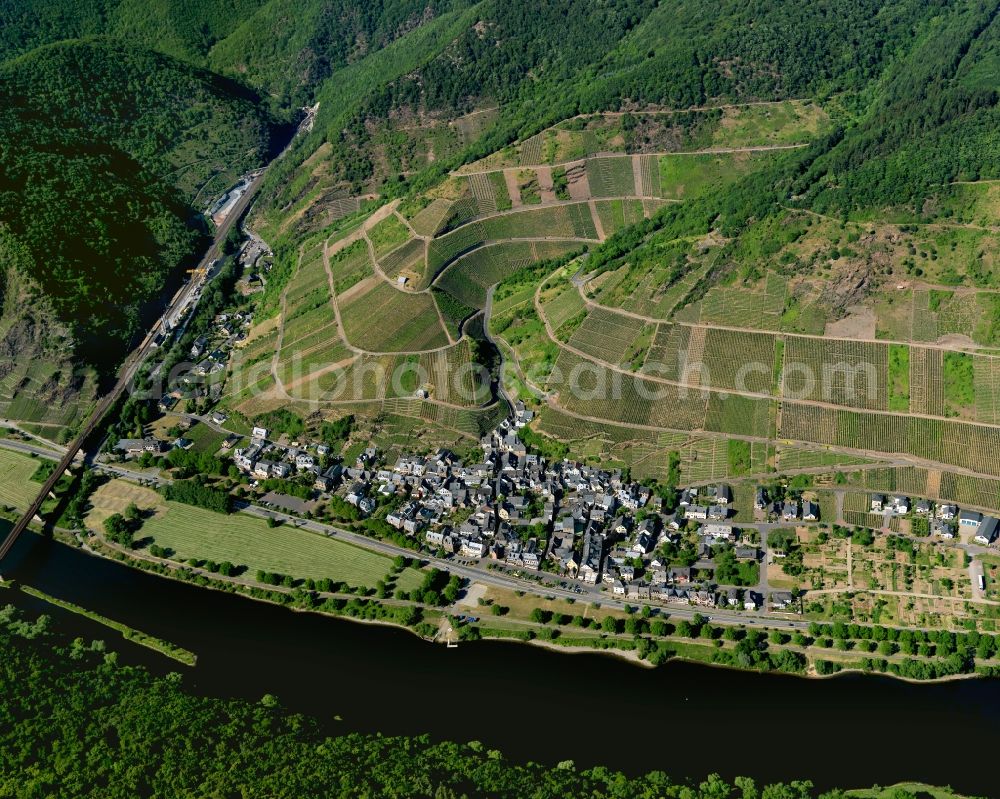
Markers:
118,530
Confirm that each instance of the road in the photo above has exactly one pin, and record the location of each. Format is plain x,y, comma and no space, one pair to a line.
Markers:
588,594
187,297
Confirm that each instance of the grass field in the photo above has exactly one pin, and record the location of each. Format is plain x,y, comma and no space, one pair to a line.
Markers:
241,539
16,486
387,235
686,176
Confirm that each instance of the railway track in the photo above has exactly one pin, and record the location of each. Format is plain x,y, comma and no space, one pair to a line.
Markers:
129,369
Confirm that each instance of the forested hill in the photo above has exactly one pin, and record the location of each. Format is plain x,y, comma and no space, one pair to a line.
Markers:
105,148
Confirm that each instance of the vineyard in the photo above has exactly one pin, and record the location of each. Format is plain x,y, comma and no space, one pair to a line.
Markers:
430,219
407,261
564,304
926,381
589,389
987,388
384,319
468,278
607,336
852,373
739,361
738,306
349,266
668,352
611,177
616,214
968,446
743,416
387,235
647,168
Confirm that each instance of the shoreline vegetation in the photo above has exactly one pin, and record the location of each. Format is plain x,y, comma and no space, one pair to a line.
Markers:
131,634
429,622
80,701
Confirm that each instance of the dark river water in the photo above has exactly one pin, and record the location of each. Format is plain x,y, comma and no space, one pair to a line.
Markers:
685,719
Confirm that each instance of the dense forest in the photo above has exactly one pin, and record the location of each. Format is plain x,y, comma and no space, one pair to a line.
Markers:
94,140
79,724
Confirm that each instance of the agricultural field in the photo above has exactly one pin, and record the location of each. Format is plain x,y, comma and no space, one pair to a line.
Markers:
851,373
17,489
468,278
611,177
383,319
616,214
243,540
387,235
611,337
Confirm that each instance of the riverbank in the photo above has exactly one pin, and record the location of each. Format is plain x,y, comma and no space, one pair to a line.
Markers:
172,651
644,651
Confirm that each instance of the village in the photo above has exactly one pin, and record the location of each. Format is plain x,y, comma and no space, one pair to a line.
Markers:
594,530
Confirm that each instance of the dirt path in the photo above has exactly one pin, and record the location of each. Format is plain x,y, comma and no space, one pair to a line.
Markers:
547,168
510,178
597,220
944,346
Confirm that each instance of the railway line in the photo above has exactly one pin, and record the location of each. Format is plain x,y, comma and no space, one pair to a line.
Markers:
187,297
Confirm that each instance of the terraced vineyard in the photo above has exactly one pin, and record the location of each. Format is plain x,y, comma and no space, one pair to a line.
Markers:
383,319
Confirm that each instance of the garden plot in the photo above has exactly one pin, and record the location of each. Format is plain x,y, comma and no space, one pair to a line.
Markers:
607,336
611,177
851,373
383,319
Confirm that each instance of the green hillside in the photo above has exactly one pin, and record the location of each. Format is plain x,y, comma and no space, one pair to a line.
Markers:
104,150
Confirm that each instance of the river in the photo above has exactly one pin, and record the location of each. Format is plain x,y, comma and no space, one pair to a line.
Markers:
685,719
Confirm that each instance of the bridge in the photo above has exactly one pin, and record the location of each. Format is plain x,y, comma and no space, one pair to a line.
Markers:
185,297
